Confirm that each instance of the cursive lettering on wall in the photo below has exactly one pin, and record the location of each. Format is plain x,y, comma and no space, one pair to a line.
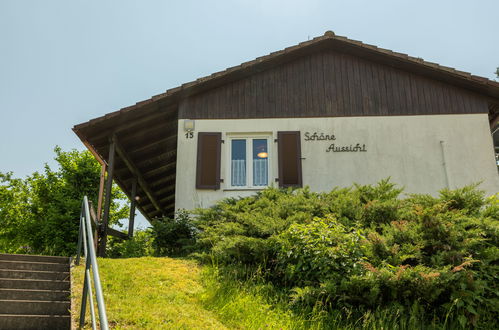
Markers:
350,148
319,137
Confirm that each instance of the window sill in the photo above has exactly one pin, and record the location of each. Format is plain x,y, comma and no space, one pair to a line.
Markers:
245,189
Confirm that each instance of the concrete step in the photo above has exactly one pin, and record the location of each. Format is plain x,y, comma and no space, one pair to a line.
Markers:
34,274
32,322
34,258
7,283
22,294
40,266
34,307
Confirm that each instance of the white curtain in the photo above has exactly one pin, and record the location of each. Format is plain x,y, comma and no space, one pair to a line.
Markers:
260,172
238,172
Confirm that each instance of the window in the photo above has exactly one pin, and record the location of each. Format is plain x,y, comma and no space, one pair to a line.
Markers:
249,162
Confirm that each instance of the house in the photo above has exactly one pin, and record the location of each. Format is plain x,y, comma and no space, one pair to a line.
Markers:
327,112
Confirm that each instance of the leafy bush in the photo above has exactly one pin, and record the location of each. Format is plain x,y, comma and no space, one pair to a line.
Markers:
365,247
173,237
140,245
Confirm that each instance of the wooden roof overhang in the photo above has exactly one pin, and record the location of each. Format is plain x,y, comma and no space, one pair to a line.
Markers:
146,133
145,150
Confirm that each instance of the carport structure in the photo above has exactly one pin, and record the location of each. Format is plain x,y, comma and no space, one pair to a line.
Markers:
137,149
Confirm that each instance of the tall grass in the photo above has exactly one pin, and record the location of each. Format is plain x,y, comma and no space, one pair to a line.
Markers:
166,293
244,300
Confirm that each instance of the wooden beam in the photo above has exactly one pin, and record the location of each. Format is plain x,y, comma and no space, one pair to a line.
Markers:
101,191
145,118
147,172
155,130
164,180
167,198
154,143
107,201
169,188
131,220
151,160
140,179
116,233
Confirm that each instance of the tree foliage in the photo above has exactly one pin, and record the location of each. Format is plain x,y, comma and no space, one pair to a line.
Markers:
40,213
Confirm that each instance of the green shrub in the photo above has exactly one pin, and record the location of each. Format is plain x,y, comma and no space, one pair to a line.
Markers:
173,237
140,245
365,248
320,250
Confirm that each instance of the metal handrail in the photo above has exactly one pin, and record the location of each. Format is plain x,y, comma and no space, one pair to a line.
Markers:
85,236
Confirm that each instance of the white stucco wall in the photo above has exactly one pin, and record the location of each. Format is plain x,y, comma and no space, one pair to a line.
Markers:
406,148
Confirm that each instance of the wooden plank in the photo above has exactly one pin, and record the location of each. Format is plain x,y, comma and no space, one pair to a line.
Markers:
95,220
418,97
107,203
288,97
328,86
143,134
152,143
273,94
348,88
144,121
319,76
116,233
338,83
152,159
131,166
369,94
314,85
167,198
423,89
362,96
166,179
396,107
133,201
168,188
308,108
380,84
101,190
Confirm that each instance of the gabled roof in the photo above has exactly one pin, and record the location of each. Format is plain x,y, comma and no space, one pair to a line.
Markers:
331,41
147,130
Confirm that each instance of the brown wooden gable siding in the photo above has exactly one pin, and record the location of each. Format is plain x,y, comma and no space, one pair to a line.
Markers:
331,84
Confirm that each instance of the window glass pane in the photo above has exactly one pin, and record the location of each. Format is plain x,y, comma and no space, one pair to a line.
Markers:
260,162
238,163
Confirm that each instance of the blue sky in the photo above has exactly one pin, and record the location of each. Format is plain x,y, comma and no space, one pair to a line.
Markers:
65,62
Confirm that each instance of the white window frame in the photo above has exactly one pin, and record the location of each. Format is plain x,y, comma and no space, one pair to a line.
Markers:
249,159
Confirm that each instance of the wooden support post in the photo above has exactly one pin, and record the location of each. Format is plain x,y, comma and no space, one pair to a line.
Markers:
101,191
107,200
132,207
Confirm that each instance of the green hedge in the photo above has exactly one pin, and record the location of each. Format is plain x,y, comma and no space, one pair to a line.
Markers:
366,247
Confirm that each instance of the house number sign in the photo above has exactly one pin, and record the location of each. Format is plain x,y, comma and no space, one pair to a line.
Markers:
333,147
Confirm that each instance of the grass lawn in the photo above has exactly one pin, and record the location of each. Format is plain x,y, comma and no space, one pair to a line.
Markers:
166,293
149,293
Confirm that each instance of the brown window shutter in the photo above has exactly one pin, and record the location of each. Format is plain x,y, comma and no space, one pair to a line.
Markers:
208,161
289,153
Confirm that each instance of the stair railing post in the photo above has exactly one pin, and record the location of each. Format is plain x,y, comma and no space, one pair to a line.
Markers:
86,239
88,281
85,282
95,270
